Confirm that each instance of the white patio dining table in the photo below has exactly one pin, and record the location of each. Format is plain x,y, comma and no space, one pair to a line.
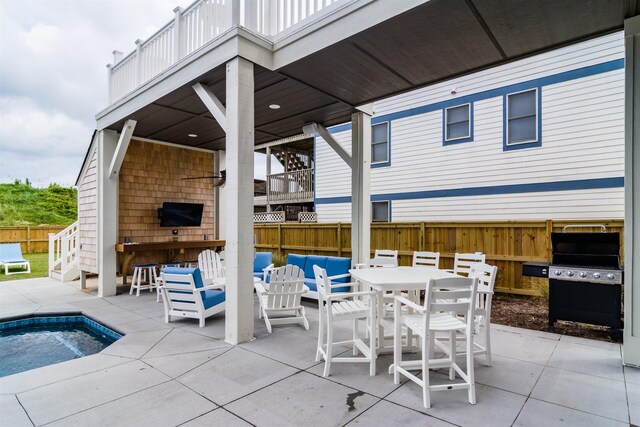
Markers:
394,279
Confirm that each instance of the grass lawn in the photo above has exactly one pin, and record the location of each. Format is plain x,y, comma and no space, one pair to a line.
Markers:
39,268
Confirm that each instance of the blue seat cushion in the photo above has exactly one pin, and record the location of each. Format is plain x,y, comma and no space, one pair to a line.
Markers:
298,260
311,283
195,272
312,260
212,297
337,266
261,261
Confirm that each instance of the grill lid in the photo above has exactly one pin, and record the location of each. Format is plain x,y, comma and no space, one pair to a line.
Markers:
585,244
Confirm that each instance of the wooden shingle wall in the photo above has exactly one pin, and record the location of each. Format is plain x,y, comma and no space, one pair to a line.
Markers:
152,174
87,216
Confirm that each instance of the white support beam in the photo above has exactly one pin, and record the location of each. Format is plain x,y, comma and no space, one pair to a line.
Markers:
213,104
239,201
631,346
216,197
324,133
360,187
107,215
121,148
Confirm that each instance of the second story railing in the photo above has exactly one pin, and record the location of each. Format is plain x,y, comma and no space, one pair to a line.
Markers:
296,186
200,23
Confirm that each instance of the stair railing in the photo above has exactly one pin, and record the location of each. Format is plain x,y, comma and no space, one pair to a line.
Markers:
63,249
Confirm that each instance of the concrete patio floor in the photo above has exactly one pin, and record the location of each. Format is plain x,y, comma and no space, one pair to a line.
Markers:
179,374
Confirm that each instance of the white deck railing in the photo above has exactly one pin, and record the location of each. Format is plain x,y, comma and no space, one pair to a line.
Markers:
201,23
276,216
63,250
296,186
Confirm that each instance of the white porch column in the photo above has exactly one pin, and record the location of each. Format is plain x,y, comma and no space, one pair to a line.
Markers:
631,348
360,187
107,221
268,172
239,201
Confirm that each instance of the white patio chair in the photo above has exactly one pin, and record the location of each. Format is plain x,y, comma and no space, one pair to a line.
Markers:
339,307
486,275
435,316
281,295
426,259
462,262
211,267
185,295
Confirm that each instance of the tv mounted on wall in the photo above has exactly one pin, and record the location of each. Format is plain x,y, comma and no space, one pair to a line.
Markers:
180,214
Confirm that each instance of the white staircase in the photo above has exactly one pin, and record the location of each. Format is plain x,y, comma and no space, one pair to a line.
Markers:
64,263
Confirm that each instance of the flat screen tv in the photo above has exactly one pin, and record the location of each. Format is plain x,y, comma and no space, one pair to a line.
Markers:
181,214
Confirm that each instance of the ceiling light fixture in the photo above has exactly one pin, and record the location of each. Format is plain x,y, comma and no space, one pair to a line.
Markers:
192,135
274,106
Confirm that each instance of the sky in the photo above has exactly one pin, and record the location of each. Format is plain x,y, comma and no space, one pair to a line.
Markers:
53,78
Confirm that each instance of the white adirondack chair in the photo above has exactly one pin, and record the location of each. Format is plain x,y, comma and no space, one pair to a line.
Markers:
282,295
445,299
185,295
211,267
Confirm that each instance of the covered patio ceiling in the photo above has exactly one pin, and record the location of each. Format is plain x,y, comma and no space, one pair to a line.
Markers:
433,42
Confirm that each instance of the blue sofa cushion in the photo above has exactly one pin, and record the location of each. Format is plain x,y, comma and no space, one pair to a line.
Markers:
295,259
261,261
337,266
311,283
212,297
312,260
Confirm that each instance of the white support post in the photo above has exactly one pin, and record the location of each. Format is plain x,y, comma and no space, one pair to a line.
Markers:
213,104
107,221
231,14
360,187
121,148
177,34
216,197
239,201
268,172
138,62
631,346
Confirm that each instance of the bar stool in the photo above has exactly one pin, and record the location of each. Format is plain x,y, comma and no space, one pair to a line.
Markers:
144,277
159,281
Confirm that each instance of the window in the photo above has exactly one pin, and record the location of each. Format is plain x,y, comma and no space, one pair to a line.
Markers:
380,143
380,211
522,116
457,124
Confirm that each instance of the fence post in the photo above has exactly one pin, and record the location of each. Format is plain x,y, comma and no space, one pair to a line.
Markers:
339,231
421,244
549,230
28,239
280,239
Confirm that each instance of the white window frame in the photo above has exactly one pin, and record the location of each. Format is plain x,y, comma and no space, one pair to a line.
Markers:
537,121
380,162
446,128
388,202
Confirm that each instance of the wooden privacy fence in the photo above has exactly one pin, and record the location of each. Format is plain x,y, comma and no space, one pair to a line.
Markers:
32,239
507,244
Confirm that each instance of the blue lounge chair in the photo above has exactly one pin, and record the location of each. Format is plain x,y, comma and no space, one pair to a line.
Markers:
262,263
11,256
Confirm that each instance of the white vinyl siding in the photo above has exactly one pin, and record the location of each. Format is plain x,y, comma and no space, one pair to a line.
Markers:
582,136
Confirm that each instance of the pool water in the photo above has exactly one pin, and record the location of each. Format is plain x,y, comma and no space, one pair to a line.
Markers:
35,342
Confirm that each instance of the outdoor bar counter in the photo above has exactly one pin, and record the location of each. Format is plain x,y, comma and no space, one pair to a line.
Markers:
174,248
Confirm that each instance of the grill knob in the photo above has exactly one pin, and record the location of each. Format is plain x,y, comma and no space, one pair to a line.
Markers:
582,274
611,276
570,273
557,272
596,275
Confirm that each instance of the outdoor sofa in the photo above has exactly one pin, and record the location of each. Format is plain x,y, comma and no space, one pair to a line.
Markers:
337,271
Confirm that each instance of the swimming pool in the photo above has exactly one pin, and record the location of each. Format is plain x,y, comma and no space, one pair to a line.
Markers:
35,341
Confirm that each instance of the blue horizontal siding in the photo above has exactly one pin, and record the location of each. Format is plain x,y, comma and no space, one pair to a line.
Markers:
583,184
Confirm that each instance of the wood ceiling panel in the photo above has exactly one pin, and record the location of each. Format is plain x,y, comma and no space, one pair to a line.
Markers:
525,26
432,41
346,72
